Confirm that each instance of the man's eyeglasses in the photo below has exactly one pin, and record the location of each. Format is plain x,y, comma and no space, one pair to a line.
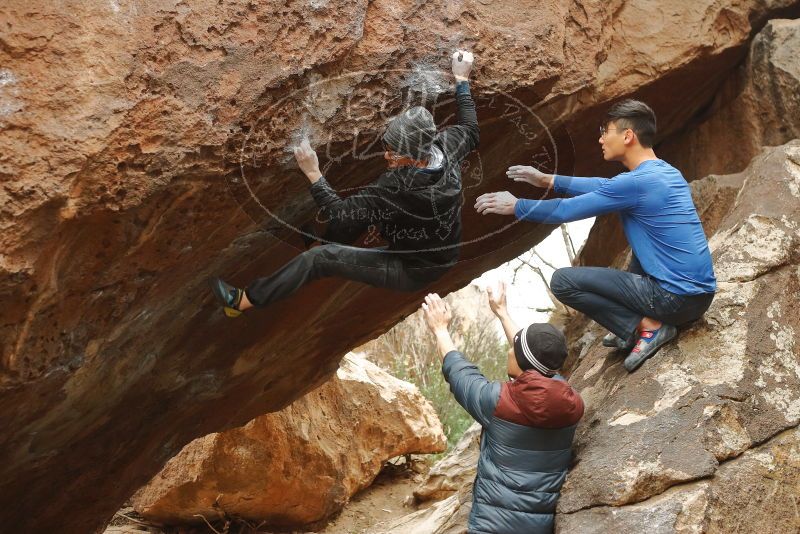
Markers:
604,131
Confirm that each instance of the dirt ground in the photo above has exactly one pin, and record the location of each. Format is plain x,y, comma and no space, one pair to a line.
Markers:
384,500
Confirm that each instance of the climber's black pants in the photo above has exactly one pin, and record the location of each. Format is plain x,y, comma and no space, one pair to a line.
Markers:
375,267
618,300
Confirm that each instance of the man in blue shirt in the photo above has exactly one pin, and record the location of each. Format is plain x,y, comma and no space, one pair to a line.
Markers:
670,280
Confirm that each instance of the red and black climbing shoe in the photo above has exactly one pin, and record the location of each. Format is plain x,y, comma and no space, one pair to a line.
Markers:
649,343
227,295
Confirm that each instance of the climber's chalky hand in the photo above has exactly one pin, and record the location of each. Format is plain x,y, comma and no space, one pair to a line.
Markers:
462,64
307,160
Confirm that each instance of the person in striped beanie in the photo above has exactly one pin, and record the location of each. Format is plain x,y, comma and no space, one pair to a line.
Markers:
528,421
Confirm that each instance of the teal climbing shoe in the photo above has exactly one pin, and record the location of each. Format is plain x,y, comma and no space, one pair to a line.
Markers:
227,295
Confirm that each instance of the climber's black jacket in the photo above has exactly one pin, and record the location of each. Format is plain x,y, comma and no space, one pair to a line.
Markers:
417,211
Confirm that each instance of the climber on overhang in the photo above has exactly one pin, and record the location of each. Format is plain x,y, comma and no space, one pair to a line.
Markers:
670,279
415,205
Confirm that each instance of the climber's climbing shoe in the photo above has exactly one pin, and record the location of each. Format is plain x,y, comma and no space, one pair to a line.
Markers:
616,342
649,343
228,295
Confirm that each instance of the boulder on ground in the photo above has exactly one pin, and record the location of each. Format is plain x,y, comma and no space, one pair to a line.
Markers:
302,464
455,471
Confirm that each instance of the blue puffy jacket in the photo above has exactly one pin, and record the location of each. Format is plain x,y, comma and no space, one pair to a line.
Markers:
525,451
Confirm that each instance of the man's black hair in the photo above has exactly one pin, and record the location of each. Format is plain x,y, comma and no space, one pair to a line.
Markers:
637,116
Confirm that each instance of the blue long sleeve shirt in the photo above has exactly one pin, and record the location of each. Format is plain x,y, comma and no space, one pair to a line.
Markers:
658,216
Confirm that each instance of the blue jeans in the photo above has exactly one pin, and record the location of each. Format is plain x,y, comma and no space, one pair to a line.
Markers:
618,300
373,266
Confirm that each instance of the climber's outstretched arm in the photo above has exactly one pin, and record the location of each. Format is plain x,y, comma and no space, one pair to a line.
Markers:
349,217
619,194
570,185
462,138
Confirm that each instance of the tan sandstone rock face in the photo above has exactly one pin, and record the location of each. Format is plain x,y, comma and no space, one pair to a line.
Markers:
299,465
759,105
755,492
144,148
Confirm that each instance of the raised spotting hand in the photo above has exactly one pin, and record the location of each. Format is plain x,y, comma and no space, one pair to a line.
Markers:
501,203
497,302
530,175
497,298
437,316
437,312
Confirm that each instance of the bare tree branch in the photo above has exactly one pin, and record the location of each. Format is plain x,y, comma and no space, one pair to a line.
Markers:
129,518
544,260
568,244
515,269
556,303
207,523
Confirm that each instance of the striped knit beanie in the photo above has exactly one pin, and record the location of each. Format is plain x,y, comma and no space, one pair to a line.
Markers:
540,346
